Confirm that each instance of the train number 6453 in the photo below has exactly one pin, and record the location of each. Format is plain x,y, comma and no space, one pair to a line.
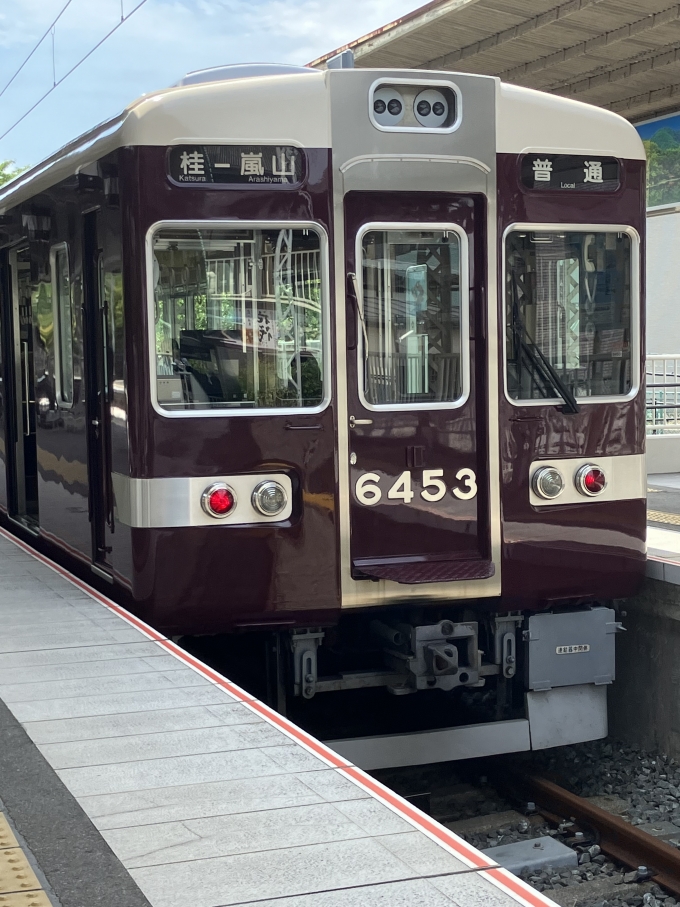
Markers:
369,492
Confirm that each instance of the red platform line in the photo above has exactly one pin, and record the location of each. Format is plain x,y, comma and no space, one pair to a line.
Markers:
292,730
209,673
418,818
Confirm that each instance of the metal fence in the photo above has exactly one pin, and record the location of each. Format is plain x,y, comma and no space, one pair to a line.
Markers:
663,395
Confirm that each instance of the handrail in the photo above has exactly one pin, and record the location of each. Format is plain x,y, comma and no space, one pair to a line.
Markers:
663,394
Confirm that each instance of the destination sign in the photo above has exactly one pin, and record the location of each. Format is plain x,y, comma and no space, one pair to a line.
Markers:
569,173
273,165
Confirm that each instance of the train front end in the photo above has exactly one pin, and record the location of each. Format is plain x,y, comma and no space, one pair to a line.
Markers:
395,422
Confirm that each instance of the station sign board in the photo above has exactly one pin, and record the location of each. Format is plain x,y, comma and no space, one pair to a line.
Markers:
570,173
246,165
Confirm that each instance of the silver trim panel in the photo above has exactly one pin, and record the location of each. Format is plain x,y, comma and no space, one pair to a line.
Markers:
419,159
626,479
423,747
414,163
163,503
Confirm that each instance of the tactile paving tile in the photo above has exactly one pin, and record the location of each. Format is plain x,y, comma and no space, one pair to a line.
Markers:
658,516
16,874
25,899
7,838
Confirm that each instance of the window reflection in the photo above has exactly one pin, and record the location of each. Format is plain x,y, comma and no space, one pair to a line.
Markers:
568,314
412,314
63,322
238,318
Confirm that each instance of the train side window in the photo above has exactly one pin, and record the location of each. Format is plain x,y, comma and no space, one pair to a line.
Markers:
62,302
570,313
415,319
239,318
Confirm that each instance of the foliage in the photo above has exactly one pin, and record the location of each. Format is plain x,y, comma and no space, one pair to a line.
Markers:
42,309
8,171
663,167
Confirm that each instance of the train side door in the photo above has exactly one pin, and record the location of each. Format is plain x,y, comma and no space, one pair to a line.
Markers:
23,451
97,369
417,405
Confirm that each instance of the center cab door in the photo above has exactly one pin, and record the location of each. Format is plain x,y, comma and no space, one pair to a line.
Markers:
417,401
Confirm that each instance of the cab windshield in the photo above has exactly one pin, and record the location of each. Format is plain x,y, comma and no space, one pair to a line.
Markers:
569,319
238,319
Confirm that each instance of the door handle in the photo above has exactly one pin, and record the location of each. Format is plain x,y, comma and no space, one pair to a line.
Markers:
353,421
95,423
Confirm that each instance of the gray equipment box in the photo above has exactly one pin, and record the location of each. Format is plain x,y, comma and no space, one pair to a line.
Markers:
572,648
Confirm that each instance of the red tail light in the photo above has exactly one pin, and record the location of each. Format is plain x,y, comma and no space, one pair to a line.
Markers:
218,500
590,480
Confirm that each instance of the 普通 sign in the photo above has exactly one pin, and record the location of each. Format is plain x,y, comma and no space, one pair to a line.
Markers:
570,173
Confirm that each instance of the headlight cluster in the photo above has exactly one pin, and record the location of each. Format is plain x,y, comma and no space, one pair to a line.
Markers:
269,498
413,106
548,482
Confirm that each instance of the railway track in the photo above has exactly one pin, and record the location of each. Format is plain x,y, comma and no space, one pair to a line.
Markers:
498,803
617,839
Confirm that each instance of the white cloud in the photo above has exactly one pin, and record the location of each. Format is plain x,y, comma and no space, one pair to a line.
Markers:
157,46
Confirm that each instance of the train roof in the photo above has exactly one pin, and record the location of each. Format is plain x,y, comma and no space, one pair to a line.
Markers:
289,105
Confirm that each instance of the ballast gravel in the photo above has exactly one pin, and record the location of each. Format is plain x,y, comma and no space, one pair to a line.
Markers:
648,783
643,788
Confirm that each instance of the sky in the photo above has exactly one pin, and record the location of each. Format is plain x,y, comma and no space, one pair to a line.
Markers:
159,44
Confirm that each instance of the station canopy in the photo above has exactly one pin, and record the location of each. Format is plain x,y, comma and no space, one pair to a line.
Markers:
623,55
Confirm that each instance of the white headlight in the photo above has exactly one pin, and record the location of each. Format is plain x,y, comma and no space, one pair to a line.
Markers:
388,107
547,482
431,108
269,498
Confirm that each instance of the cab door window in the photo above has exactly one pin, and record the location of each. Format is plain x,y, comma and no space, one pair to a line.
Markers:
414,317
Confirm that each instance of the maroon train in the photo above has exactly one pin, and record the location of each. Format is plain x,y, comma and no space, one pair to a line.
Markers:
353,359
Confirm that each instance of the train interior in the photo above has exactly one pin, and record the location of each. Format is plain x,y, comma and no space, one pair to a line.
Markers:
237,318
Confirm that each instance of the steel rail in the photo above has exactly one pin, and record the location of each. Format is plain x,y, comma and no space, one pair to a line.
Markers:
618,839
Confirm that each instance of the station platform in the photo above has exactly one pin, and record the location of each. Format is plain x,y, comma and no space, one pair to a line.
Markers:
663,519
133,775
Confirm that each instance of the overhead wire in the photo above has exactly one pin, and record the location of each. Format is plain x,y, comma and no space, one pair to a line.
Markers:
72,69
64,8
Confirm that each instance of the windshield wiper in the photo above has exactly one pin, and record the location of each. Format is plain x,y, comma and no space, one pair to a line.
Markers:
548,373
542,365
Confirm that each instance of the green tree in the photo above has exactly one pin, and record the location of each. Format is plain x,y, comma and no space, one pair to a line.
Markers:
8,171
663,170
